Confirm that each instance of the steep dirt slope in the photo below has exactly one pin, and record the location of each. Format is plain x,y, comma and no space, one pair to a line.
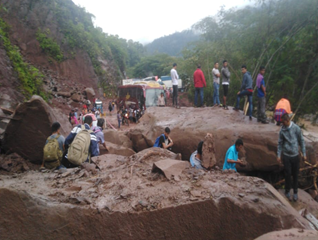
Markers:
73,73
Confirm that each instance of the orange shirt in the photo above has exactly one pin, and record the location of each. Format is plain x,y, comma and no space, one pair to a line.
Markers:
284,104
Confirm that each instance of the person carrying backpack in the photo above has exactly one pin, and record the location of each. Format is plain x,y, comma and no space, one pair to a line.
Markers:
98,130
53,149
164,141
80,145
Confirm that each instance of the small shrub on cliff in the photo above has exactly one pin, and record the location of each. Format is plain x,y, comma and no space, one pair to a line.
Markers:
49,46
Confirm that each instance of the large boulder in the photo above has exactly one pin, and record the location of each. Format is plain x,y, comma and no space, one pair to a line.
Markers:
90,93
30,126
190,125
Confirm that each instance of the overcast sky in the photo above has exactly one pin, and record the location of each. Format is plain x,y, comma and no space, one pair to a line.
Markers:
144,21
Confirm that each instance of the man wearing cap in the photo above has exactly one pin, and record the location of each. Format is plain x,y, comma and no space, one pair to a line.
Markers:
174,79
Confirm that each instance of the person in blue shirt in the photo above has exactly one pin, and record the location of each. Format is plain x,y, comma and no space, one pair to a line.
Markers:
231,157
261,94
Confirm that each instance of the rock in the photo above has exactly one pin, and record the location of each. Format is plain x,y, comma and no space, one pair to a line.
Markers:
76,97
170,168
64,94
118,138
90,93
116,149
290,234
27,133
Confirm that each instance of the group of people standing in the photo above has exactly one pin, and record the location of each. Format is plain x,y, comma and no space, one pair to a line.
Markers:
245,90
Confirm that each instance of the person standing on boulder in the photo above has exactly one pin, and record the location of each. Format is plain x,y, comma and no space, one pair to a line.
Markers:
174,79
216,84
289,141
246,90
199,84
231,157
225,82
261,93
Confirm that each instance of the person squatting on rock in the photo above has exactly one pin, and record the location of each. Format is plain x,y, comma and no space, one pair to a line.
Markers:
216,84
174,79
79,145
164,141
289,141
53,149
199,84
282,107
161,100
196,157
98,130
246,90
261,94
225,82
231,157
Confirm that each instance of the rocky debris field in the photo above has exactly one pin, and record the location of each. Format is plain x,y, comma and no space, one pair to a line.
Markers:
149,195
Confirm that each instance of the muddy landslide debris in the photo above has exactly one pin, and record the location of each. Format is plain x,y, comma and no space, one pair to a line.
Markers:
118,197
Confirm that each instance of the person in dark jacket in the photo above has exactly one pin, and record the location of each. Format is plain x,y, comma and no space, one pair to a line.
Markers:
289,141
93,147
199,84
246,90
225,82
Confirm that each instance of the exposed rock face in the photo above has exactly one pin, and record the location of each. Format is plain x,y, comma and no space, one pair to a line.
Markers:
30,127
189,126
126,200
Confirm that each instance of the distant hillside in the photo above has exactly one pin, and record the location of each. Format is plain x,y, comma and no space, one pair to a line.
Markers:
172,44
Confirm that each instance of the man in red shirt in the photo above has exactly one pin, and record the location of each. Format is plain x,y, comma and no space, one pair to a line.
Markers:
199,84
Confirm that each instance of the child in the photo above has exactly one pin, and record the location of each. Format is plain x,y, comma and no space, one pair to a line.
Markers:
118,119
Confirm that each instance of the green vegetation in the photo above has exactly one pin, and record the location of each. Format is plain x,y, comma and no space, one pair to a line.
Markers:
173,43
279,34
49,46
29,76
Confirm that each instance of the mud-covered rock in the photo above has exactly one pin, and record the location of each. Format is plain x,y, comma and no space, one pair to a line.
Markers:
27,132
290,234
76,97
190,125
117,137
116,149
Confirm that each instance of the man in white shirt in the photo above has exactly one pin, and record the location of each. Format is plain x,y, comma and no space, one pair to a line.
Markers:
174,79
216,84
